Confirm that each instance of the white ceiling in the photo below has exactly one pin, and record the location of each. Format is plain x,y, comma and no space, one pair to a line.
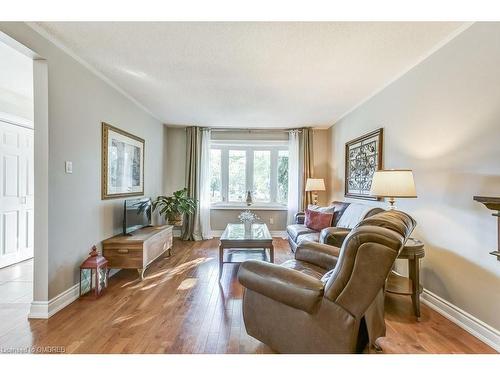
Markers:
250,74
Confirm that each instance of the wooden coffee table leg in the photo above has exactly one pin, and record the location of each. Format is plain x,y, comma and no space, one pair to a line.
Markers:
271,253
221,260
414,272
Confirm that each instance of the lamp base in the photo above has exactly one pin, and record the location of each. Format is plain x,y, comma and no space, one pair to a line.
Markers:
392,204
315,198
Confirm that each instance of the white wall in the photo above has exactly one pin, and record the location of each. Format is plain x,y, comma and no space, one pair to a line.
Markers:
78,102
176,159
442,119
321,155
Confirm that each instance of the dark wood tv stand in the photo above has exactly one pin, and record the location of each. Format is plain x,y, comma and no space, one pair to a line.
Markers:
139,249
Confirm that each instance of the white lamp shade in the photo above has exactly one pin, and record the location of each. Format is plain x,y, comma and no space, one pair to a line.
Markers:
315,184
395,183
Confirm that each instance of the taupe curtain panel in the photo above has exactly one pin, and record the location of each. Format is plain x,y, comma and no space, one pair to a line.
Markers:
191,229
306,167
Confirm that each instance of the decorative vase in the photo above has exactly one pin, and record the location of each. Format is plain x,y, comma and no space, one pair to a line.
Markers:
249,198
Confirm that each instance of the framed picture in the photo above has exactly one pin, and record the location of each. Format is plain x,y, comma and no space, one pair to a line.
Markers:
122,170
363,156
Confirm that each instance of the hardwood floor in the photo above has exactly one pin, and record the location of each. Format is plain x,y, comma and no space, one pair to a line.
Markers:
180,307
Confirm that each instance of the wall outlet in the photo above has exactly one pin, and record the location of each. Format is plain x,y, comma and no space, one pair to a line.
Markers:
68,166
271,220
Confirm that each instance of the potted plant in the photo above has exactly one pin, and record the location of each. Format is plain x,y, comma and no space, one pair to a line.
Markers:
174,208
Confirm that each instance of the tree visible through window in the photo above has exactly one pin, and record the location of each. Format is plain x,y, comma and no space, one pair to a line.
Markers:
262,176
282,177
237,180
215,176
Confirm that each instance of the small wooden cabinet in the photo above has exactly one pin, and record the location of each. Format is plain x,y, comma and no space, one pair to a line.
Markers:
138,249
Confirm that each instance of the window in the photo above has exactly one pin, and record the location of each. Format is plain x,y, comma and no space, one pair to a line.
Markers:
237,167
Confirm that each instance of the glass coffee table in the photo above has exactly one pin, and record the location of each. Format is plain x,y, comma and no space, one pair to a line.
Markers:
242,245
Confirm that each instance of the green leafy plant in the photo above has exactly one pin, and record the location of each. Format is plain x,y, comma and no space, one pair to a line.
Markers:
174,208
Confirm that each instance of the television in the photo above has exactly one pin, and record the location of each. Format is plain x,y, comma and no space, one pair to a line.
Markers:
136,214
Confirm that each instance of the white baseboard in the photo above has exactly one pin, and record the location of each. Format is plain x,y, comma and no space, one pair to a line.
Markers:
45,309
113,271
39,310
279,233
487,334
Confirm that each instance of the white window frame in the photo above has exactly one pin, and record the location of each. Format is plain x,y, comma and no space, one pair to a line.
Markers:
249,146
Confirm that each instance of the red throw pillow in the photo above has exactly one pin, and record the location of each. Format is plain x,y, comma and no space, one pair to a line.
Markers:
318,220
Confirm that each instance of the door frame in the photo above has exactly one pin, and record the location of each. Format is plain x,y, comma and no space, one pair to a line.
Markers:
39,306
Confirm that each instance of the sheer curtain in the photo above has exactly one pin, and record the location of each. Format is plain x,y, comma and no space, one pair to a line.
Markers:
204,202
293,175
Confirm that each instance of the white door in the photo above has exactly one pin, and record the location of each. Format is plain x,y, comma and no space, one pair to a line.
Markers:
16,193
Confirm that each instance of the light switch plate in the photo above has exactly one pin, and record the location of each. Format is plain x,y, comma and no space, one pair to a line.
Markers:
68,166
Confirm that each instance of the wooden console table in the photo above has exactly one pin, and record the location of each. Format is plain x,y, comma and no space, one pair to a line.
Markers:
138,249
413,251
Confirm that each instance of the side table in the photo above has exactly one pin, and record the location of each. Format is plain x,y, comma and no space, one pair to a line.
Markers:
413,251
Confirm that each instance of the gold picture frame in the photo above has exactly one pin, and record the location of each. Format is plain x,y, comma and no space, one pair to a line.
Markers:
122,167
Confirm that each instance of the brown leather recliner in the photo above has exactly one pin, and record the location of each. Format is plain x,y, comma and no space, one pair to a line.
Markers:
326,300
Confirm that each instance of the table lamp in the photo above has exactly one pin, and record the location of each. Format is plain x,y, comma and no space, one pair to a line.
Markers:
315,185
393,183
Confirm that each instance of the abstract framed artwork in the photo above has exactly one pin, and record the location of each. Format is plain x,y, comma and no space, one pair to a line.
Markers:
122,169
363,156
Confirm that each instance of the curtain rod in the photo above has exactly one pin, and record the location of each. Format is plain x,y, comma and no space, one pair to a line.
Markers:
253,130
